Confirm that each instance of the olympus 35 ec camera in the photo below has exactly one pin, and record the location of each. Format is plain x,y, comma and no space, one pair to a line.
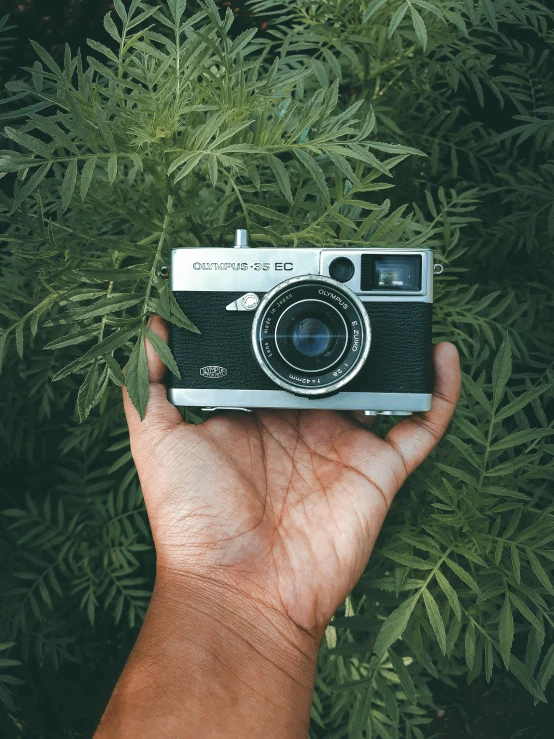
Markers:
347,329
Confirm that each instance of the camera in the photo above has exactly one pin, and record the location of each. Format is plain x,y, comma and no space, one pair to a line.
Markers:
343,329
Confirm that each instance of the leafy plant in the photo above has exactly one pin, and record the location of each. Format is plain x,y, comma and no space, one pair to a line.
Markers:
5,41
6,678
388,123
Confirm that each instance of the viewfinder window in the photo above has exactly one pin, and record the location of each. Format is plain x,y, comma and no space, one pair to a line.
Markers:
391,273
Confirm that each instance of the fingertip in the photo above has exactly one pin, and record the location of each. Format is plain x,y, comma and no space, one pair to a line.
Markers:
156,368
160,412
159,326
414,438
446,361
447,351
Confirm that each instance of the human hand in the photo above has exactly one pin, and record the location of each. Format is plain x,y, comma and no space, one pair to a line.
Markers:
282,505
263,523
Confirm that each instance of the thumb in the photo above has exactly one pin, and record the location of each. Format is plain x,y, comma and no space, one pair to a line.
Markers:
160,413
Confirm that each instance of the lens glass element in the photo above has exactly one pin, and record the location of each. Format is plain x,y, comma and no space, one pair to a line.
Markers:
310,337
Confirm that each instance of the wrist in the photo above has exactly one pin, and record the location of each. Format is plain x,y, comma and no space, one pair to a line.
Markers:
203,608
220,659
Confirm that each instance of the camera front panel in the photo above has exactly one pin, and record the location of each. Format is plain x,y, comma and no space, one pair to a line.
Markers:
221,356
219,290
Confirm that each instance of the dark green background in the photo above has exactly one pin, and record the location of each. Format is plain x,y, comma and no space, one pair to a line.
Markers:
68,702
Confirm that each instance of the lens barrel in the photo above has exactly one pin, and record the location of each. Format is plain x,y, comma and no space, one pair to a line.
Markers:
311,335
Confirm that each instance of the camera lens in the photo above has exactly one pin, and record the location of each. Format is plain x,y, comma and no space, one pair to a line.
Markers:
341,269
310,337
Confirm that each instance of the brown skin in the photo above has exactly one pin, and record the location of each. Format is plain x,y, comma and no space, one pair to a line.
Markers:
263,523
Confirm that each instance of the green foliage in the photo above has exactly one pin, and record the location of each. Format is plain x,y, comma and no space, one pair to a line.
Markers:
178,129
5,41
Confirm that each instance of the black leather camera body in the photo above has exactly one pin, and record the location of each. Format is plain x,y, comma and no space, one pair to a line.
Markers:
347,329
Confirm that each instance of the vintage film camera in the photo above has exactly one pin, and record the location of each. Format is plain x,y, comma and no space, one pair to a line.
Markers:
344,329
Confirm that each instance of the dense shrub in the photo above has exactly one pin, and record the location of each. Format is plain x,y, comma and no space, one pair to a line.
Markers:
388,123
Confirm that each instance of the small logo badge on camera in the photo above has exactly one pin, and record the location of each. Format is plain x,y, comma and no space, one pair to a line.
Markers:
213,371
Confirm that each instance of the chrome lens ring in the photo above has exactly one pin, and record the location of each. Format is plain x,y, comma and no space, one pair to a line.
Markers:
311,290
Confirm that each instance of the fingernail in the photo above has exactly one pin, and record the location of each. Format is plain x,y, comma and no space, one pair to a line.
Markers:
453,353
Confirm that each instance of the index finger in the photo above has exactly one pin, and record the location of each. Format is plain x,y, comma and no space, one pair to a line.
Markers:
414,438
160,413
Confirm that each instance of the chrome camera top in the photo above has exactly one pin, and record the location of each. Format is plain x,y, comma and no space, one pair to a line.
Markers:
303,328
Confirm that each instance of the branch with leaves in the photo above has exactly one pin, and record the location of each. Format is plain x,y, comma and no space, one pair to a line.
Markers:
345,123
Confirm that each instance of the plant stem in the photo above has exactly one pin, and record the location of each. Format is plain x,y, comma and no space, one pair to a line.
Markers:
161,240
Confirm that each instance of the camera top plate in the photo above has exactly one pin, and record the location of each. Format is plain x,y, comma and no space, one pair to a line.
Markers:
258,270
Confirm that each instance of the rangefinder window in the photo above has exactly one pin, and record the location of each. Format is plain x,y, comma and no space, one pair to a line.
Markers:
391,273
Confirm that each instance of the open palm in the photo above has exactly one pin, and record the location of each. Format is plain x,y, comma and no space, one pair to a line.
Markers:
284,504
